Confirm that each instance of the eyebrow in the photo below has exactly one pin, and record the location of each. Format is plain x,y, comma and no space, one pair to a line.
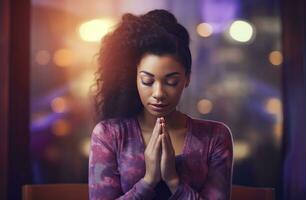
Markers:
167,75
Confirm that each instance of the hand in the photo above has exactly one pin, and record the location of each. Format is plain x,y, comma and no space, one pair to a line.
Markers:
168,170
152,156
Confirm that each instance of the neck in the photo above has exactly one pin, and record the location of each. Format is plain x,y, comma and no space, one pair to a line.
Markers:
174,120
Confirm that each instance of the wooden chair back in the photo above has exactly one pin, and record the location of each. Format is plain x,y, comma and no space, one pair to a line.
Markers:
55,192
251,193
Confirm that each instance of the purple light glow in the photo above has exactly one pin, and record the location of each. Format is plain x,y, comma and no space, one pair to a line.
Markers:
45,122
219,13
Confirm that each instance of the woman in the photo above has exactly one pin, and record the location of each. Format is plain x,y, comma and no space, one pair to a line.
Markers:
143,147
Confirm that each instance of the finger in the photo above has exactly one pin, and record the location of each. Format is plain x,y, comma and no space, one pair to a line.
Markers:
157,134
168,143
162,120
167,135
157,148
157,128
154,134
164,145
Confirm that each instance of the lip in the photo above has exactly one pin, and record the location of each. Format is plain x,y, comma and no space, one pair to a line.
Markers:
158,107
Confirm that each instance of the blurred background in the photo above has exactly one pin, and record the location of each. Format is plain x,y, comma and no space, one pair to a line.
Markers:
236,78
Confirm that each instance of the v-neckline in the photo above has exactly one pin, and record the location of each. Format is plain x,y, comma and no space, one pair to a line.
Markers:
186,140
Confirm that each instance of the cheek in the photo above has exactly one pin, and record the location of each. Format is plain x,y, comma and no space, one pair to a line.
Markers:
142,91
176,94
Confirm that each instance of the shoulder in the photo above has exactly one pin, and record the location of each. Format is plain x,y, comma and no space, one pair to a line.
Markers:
111,127
210,128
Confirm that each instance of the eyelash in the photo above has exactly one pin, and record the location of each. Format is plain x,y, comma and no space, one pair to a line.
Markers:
149,84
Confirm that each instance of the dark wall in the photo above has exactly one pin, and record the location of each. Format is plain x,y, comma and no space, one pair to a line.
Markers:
14,97
294,91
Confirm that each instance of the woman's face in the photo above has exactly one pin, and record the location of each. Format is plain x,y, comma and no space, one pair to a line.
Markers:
160,82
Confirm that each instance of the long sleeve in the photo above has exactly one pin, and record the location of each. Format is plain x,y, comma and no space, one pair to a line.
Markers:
104,176
218,183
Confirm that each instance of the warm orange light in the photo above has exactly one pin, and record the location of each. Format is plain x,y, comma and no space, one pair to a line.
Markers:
42,57
94,30
278,132
276,58
274,106
85,147
204,29
205,106
241,150
59,105
63,57
61,127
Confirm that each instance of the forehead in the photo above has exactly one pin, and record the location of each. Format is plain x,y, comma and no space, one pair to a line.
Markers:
159,65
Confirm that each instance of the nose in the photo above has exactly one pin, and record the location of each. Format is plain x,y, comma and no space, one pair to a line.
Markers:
158,92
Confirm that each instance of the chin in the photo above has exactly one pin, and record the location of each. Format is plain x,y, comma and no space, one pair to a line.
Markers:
160,114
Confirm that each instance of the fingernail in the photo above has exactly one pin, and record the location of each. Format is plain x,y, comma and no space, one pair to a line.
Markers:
162,119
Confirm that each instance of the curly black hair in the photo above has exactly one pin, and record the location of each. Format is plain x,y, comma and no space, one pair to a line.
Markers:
156,32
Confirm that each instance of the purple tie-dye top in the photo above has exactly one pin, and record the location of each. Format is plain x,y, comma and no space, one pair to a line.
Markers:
117,166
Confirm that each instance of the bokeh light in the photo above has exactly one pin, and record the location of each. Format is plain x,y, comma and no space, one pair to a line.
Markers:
241,31
42,57
205,106
61,127
276,58
85,147
63,57
94,30
241,150
278,133
273,106
59,105
204,29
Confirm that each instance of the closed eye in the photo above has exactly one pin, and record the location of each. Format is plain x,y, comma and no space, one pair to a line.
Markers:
147,80
172,81
147,83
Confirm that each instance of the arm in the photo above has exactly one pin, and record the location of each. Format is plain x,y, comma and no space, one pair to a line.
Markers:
218,183
104,177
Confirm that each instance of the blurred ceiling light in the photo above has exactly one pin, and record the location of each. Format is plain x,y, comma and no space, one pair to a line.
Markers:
204,29
61,127
85,147
94,30
241,31
276,58
274,106
241,150
42,57
59,105
205,106
63,57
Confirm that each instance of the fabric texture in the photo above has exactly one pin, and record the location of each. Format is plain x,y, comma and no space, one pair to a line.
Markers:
117,166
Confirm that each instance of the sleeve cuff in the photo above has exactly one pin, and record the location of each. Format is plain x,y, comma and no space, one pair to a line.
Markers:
144,190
